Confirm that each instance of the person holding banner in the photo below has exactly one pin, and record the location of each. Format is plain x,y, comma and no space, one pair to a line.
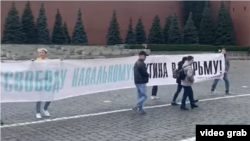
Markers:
225,78
187,81
141,78
42,56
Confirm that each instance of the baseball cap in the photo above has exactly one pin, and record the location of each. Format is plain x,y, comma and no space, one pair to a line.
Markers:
143,53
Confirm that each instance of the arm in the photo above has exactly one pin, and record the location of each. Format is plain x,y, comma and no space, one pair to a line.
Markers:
227,65
142,69
190,75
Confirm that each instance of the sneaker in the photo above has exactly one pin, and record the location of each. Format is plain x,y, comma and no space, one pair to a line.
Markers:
38,116
195,101
194,106
1,122
155,97
213,92
142,113
174,104
46,113
184,108
228,93
135,109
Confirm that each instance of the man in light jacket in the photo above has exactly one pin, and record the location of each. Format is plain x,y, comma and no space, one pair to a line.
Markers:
225,78
187,84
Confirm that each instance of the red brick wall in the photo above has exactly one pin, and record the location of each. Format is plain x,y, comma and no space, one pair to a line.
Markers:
97,15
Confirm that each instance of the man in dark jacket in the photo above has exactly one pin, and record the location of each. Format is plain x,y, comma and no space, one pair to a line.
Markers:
178,81
141,77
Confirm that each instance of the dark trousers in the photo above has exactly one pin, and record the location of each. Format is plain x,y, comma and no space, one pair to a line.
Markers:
38,106
179,87
188,92
154,90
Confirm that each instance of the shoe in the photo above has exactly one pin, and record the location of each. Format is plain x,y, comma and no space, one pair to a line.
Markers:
183,108
213,92
174,104
1,122
45,113
38,116
228,93
195,101
194,106
155,97
135,109
142,113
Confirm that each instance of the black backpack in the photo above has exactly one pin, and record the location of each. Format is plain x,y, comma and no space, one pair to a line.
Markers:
176,74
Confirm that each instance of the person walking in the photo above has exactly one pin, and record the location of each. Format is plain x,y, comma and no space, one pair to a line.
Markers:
187,81
178,81
42,56
154,93
225,77
141,78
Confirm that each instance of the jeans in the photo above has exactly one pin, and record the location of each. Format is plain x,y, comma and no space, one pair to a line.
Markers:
188,92
141,95
179,87
38,106
226,83
154,90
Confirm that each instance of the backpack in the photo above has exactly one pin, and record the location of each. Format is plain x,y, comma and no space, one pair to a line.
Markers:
176,74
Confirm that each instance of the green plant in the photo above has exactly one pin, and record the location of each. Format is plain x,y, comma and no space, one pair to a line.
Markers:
130,36
42,27
12,33
140,32
224,30
79,34
113,36
58,34
28,25
206,27
190,34
155,32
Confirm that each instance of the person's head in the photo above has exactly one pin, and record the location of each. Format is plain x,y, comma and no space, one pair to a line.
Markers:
142,55
190,59
42,52
184,59
223,51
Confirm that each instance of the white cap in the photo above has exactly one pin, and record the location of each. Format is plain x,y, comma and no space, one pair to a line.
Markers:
42,49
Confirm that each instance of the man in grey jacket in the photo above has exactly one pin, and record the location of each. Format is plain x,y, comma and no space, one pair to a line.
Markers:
227,66
187,83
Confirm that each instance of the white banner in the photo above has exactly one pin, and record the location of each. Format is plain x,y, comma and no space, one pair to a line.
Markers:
51,80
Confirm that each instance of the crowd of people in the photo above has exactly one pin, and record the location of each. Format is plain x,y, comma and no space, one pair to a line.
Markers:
184,80
141,78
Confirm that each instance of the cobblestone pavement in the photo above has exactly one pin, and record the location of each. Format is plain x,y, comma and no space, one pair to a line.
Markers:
160,124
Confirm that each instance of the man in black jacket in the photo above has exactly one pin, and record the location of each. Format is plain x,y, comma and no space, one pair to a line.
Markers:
141,77
178,81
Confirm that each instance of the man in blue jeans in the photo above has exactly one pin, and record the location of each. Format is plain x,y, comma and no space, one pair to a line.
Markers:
227,66
141,77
